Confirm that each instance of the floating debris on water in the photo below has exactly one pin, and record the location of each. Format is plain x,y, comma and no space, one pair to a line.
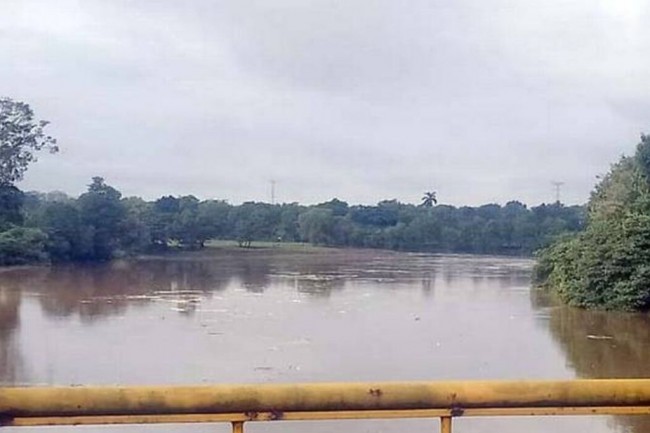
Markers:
297,342
178,292
600,337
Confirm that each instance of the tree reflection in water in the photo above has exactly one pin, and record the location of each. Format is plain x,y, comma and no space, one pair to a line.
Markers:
601,344
10,357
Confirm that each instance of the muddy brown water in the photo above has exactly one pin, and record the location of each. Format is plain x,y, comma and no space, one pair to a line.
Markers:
278,315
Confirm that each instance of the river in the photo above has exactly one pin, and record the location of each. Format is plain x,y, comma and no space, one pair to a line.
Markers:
284,315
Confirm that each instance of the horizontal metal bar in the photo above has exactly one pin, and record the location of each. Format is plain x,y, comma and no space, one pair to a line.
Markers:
322,416
319,397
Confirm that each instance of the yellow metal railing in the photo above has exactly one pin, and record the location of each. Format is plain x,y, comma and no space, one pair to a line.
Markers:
238,404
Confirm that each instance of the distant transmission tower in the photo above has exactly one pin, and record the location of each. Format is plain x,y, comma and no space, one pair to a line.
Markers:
272,191
558,189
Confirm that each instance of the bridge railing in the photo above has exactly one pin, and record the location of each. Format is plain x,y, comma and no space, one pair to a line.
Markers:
238,404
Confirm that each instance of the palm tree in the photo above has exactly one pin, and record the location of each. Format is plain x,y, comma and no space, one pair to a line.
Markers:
429,199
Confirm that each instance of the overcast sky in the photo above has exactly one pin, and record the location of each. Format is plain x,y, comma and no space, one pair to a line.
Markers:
482,101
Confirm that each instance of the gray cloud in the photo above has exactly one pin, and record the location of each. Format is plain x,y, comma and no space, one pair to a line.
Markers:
364,100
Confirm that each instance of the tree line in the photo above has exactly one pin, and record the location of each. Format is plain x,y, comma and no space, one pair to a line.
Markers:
101,224
607,265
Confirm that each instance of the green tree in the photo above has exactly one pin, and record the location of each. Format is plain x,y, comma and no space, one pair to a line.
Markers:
429,199
317,226
11,203
255,221
21,245
21,135
383,215
136,228
102,214
164,211
67,238
288,229
607,265
185,228
212,220
338,207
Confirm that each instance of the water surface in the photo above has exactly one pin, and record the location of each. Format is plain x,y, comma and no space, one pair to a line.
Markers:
280,315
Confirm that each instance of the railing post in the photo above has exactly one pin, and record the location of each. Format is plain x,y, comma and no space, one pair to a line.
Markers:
445,424
237,427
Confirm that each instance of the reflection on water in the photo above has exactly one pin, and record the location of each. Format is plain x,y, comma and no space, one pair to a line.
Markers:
320,315
9,318
601,344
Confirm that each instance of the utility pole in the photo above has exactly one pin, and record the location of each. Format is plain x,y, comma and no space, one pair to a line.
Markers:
558,188
272,191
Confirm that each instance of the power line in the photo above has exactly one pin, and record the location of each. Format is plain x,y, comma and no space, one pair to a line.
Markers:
558,189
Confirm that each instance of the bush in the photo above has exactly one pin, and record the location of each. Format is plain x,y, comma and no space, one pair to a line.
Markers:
21,245
608,265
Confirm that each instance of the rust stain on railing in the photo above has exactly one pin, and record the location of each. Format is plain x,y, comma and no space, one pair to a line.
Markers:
238,404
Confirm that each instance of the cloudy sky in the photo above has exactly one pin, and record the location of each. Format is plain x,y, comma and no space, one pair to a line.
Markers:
482,101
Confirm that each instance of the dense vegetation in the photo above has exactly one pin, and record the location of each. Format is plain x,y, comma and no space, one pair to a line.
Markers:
608,264
101,224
